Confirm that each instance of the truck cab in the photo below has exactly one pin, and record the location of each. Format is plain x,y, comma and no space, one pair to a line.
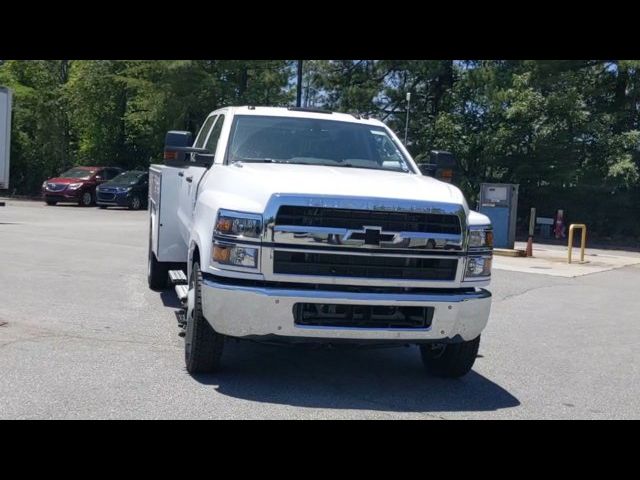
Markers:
298,225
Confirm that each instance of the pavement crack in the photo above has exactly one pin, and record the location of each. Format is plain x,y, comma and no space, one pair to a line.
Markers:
514,295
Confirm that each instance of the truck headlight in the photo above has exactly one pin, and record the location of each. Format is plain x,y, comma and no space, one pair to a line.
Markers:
481,238
478,266
238,224
239,256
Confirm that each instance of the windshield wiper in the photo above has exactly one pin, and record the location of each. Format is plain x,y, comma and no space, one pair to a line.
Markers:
262,160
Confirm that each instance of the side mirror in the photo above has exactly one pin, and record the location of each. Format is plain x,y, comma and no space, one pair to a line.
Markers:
441,165
175,142
178,150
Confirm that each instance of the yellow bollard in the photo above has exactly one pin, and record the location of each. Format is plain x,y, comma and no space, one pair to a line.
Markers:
583,240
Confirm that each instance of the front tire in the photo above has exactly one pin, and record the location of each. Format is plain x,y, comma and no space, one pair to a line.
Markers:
86,200
203,346
450,360
51,203
135,203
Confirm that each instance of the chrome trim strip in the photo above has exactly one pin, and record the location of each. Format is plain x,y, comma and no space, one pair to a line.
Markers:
347,296
327,236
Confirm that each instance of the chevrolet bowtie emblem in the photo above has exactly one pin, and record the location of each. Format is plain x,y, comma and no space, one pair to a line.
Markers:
371,236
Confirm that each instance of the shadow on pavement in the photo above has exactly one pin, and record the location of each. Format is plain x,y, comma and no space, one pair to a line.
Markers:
390,379
169,299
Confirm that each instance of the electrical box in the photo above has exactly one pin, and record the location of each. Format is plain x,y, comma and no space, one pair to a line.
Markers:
499,202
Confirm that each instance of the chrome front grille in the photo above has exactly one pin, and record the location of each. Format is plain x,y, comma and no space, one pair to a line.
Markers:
56,187
363,241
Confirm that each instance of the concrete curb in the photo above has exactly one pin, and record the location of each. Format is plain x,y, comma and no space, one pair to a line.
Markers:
508,252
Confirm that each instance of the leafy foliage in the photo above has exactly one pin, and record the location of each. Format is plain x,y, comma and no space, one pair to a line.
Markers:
567,131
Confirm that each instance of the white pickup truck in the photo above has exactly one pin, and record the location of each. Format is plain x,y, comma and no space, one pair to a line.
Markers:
299,225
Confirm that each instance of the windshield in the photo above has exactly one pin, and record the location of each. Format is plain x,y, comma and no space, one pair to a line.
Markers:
127,178
80,173
314,142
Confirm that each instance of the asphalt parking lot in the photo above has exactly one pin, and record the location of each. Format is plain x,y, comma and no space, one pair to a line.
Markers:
81,336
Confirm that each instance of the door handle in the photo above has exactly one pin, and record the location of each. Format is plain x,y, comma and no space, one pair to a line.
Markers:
189,179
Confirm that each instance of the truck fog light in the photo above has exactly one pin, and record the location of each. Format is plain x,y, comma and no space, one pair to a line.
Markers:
236,255
478,267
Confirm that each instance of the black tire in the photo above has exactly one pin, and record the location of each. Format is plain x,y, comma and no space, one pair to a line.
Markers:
51,202
86,199
203,346
450,360
102,207
135,203
157,272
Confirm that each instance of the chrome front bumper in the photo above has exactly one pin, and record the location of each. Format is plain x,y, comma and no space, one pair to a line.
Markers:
241,311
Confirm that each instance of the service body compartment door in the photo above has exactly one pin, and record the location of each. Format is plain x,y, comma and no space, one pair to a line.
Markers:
165,238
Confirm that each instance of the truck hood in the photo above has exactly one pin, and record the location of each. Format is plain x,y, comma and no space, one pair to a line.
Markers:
260,181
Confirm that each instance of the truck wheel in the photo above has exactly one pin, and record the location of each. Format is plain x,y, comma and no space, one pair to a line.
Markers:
157,272
450,360
51,202
202,344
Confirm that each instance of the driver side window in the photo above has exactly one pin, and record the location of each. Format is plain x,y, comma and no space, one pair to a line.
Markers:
202,134
212,142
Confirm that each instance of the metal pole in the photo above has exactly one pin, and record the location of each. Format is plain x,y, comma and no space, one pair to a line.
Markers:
406,125
299,88
532,225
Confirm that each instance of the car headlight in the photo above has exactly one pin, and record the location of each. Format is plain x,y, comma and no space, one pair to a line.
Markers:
240,256
74,186
480,238
44,184
238,224
478,266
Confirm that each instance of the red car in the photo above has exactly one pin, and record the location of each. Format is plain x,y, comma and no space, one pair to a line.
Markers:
77,185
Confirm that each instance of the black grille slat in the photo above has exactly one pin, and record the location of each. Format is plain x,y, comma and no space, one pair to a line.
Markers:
326,264
362,316
357,219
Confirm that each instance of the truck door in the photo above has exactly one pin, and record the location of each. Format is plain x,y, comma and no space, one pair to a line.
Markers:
192,175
